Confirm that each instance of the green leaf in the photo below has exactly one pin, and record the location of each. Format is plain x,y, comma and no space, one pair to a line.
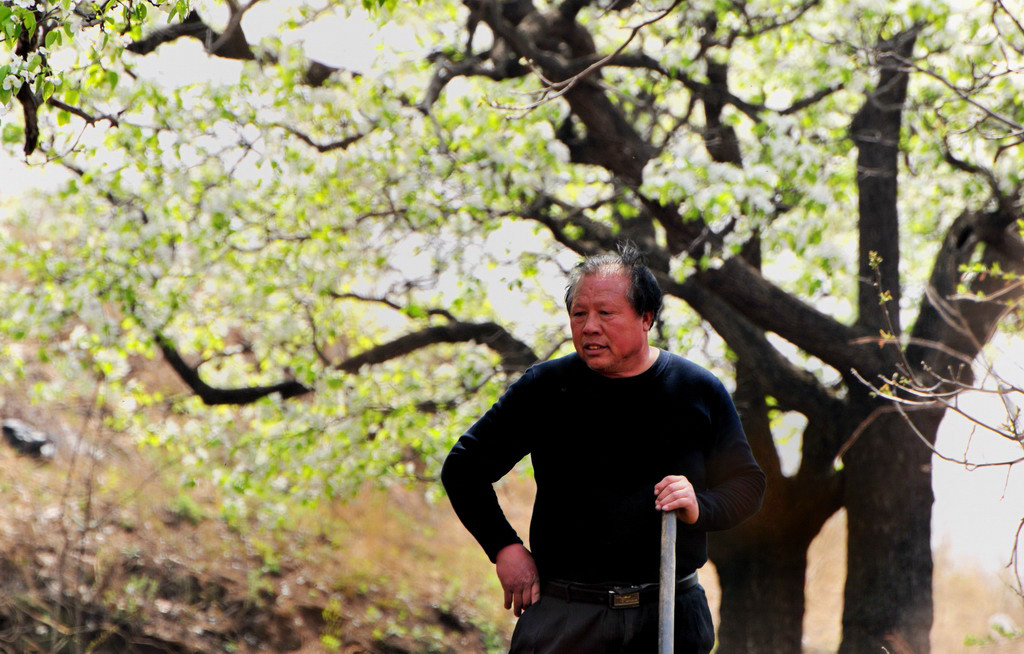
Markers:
12,133
28,19
415,311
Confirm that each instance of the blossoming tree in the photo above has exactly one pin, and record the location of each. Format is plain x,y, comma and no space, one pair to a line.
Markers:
344,266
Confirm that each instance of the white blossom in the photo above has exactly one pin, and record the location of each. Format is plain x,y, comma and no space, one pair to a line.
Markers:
779,99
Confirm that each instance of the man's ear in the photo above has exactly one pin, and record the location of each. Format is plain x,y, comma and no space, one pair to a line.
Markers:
647,320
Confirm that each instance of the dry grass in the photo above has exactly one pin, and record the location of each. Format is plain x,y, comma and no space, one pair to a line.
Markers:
104,555
389,571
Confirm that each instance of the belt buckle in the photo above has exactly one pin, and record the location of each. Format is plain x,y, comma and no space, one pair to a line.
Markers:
624,598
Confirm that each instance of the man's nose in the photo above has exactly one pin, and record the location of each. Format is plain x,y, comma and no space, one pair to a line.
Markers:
591,324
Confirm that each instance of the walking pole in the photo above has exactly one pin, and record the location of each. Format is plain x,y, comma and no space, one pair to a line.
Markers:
667,587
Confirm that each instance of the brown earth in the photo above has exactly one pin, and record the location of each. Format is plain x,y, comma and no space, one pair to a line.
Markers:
100,553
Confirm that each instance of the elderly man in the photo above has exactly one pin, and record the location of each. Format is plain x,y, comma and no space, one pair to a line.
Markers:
618,432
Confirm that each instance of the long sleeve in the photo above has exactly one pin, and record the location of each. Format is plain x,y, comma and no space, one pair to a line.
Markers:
735,482
482,456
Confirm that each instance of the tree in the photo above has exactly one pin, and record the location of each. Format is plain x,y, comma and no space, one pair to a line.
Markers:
306,246
987,425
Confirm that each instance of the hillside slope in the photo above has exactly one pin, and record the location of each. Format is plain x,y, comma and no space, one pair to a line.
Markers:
101,550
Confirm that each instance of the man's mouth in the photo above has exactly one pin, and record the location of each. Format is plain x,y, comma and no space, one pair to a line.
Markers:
593,348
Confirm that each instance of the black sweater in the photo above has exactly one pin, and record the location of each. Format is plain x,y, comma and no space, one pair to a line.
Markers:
599,445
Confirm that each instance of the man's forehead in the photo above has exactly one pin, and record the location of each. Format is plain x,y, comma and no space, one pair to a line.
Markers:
607,281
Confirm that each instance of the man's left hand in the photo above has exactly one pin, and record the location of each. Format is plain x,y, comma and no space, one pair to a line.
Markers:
676,493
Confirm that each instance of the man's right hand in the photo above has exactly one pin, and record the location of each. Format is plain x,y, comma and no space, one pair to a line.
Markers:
518,576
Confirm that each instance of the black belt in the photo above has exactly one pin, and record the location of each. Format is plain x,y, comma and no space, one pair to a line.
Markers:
616,597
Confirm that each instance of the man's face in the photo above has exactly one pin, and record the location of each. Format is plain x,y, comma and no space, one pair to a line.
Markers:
607,331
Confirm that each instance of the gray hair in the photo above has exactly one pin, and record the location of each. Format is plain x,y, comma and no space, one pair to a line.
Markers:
644,293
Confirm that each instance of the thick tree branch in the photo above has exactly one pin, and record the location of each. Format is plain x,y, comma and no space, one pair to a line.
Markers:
515,355
749,294
608,139
318,72
572,229
230,44
216,396
719,138
682,236
471,66
875,130
30,112
963,324
751,400
30,102
751,110
774,310
794,388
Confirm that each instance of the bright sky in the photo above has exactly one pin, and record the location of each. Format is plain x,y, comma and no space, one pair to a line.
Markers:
976,512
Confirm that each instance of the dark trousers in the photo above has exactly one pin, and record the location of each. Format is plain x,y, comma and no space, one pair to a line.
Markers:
555,626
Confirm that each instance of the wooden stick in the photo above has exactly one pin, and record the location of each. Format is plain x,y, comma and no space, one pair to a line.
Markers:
667,599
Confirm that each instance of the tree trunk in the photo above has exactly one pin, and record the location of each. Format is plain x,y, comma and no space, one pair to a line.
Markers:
762,564
888,498
762,598
888,494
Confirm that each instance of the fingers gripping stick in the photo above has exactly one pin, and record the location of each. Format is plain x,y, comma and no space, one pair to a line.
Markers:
667,599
